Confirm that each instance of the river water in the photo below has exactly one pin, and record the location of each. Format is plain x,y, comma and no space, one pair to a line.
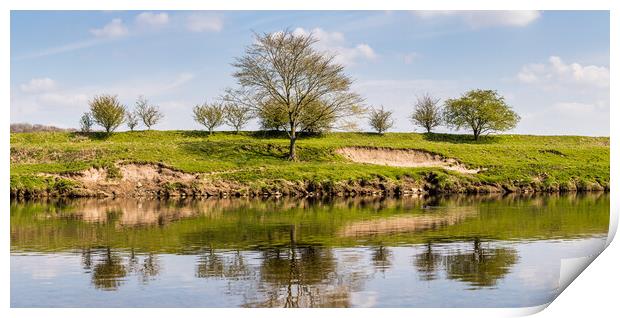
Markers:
455,251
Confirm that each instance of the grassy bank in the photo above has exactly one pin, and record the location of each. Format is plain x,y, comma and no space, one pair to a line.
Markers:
253,163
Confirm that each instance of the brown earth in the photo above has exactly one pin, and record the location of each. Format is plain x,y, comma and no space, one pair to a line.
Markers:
403,158
157,180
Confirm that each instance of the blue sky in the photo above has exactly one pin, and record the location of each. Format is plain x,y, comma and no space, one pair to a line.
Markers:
552,66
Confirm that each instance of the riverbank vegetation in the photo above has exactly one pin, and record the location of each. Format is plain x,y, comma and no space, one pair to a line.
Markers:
300,96
256,163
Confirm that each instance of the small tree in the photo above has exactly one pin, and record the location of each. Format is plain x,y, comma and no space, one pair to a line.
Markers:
209,115
380,120
86,123
310,122
482,111
131,118
427,113
272,116
149,114
237,116
107,112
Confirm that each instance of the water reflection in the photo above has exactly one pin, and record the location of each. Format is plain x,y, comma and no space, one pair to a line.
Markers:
219,265
109,268
427,263
299,277
381,258
304,253
480,267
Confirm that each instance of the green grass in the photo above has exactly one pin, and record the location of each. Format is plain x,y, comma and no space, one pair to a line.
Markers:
259,159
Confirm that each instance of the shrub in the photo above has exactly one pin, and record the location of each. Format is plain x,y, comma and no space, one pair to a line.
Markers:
149,114
209,115
380,120
237,116
132,120
107,112
427,113
86,123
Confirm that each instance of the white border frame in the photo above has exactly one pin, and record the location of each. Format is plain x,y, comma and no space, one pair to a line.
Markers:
593,293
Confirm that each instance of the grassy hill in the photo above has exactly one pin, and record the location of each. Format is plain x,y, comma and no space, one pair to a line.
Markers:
253,162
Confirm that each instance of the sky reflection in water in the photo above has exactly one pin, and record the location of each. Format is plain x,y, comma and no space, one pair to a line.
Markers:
411,252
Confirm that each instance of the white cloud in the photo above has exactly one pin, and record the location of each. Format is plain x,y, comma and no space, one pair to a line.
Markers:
43,105
482,19
578,109
180,80
38,85
579,116
65,100
146,19
114,29
60,49
335,43
556,72
204,23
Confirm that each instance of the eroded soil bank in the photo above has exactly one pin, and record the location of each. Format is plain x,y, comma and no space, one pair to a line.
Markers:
157,180
403,158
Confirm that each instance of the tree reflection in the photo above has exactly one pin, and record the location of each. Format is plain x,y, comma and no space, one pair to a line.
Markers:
108,272
300,277
109,268
87,259
381,258
150,268
482,267
210,265
218,265
428,263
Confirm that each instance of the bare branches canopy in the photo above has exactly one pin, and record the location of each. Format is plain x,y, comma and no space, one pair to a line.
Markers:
427,113
380,119
283,71
209,115
131,118
149,114
237,116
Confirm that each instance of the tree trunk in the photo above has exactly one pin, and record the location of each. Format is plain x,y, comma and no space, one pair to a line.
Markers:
476,135
291,150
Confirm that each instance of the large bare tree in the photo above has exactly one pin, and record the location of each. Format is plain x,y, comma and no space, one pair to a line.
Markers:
284,68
